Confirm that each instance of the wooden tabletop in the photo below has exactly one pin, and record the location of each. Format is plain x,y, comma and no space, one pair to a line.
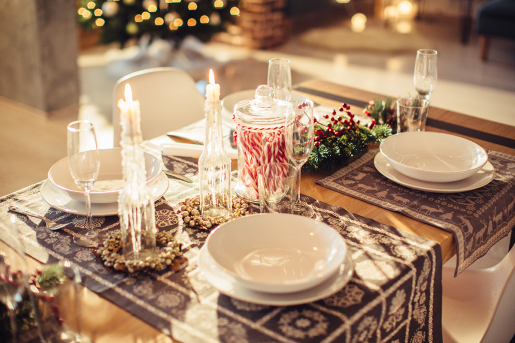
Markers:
105,322
327,93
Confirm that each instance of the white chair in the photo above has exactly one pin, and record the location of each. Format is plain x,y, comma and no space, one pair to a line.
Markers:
168,100
479,305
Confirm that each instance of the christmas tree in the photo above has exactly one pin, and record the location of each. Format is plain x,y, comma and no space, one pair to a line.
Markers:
172,20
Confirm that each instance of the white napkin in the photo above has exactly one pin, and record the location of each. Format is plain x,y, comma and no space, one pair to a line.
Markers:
190,150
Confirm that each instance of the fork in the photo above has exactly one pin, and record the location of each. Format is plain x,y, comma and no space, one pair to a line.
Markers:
49,223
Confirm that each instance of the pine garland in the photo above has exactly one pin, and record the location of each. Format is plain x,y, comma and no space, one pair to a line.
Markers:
342,139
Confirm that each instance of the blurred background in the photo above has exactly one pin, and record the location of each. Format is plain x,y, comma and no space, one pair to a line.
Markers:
60,59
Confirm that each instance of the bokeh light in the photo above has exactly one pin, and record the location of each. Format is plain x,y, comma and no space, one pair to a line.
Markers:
405,7
98,12
99,22
178,22
91,5
145,15
192,22
204,19
192,6
235,11
358,22
159,21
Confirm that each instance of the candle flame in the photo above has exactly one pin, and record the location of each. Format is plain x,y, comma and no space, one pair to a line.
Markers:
128,93
211,77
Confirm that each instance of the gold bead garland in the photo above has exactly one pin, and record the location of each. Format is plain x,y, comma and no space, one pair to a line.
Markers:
170,257
190,213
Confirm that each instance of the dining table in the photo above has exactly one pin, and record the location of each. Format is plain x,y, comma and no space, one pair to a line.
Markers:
105,321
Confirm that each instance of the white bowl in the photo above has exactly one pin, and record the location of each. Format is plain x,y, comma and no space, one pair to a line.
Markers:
110,179
277,253
433,156
231,100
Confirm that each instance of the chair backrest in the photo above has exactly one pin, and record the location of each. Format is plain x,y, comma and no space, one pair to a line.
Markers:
501,328
168,100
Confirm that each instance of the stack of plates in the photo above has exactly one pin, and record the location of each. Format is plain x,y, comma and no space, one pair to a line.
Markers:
276,259
61,192
434,162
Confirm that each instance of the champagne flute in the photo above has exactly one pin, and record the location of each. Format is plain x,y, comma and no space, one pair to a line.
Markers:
279,78
425,75
299,143
84,163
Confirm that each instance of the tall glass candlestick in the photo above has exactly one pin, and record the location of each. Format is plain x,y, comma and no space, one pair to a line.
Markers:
214,163
135,204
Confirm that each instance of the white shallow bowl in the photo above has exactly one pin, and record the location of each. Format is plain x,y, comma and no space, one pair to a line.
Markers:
277,253
433,156
231,100
110,179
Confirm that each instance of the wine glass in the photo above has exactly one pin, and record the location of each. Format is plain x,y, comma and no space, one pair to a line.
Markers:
279,78
13,276
84,163
299,143
425,75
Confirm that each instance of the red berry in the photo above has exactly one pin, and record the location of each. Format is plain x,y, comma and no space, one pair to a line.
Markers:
326,116
299,107
314,120
357,122
334,112
329,125
317,143
340,118
341,109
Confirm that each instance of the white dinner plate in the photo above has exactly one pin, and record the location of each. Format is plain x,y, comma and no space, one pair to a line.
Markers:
242,248
229,286
109,182
231,100
478,180
61,200
433,156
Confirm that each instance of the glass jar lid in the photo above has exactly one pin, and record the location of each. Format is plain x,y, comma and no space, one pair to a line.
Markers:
264,111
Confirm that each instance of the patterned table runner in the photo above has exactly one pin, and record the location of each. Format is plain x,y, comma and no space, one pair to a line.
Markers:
478,219
393,296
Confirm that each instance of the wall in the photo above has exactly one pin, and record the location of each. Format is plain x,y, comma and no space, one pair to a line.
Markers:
38,53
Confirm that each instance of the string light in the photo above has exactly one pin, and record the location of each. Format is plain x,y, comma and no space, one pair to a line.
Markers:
145,15
159,21
358,22
98,12
100,22
219,4
86,14
138,18
192,6
405,7
178,22
152,8
91,5
235,11
204,19
192,22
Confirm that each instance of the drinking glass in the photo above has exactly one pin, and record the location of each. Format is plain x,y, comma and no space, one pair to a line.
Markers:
279,78
277,187
411,114
425,75
84,163
299,143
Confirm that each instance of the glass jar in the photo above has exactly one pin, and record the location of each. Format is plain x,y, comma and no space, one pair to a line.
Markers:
261,137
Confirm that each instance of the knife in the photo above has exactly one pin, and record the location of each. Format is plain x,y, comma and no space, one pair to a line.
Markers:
177,176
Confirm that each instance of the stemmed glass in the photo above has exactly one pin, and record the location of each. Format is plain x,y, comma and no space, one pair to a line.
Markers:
84,163
279,78
425,75
299,143
13,276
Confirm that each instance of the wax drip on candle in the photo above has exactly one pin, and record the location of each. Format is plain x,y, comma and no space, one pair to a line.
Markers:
212,89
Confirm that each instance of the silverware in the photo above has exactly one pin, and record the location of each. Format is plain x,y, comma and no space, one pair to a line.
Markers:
49,224
182,139
177,176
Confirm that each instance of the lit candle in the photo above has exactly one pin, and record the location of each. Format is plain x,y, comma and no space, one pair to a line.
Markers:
129,112
212,89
